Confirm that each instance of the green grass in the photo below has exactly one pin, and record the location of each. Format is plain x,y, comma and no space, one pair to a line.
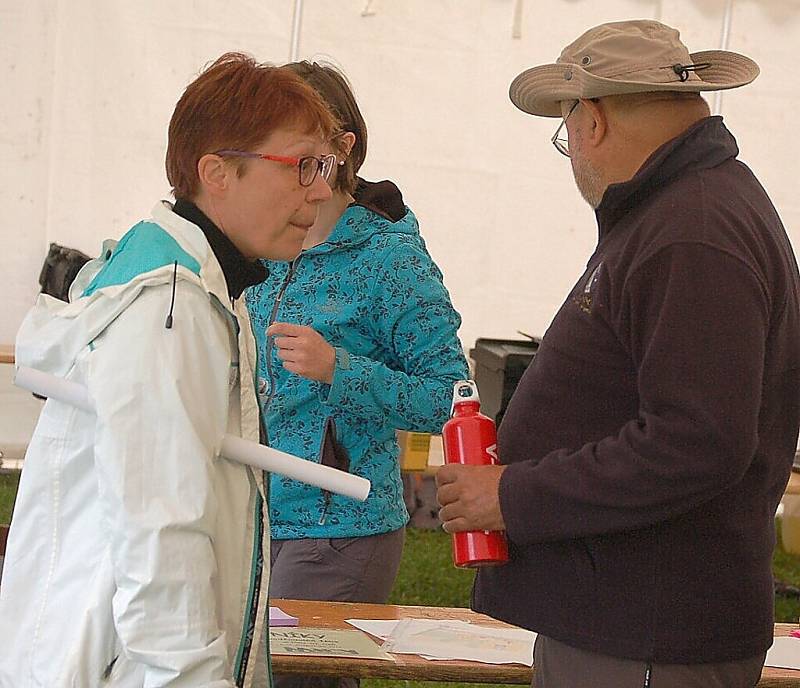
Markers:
427,577
8,491
786,569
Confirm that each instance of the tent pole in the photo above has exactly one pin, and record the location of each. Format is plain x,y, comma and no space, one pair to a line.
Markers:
516,27
297,21
724,40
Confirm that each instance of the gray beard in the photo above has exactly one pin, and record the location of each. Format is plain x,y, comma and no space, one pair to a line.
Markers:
587,177
588,181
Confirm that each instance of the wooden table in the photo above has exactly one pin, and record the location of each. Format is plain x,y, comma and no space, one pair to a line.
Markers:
793,488
413,667
6,353
410,667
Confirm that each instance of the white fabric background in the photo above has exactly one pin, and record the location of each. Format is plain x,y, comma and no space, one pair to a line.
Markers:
89,86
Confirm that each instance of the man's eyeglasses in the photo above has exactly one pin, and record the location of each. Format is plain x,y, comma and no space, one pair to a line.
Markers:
308,166
562,143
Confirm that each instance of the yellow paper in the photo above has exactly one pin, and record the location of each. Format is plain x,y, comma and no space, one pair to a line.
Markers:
324,642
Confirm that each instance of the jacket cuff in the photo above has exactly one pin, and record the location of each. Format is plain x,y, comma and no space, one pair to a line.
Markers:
518,521
331,394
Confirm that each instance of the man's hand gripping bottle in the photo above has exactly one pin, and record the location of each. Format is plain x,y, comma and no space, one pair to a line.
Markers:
470,438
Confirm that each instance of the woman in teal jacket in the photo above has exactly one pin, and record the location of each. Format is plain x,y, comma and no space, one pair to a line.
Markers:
357,337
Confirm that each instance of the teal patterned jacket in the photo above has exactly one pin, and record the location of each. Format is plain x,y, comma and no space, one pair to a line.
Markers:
374,293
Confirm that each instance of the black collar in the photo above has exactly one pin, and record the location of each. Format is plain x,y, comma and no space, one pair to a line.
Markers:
239,272
705,144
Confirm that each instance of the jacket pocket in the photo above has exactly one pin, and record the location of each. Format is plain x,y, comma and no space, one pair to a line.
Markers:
94,657
348,555
331,453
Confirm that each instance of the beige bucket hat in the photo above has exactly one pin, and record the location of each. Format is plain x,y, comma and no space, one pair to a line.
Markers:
636,56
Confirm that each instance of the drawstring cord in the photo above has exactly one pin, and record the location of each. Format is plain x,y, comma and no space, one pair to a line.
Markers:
168,321
683,70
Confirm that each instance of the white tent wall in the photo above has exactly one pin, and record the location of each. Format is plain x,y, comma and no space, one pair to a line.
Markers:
90,86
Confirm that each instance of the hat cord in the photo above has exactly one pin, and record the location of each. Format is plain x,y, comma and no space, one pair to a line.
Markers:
683,70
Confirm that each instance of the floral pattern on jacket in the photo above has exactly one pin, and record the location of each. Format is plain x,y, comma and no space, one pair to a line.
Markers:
375,294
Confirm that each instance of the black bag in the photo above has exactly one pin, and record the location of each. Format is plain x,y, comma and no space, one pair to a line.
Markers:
59,270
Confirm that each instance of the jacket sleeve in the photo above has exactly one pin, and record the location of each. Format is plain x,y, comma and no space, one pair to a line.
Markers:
161,398
415,326
694,321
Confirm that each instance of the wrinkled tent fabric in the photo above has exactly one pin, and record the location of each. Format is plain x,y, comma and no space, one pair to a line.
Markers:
94,86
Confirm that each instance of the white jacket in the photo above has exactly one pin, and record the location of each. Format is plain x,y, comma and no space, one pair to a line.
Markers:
137,556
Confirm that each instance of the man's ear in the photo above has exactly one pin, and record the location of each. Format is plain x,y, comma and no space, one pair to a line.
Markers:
347,141
598,124
214,174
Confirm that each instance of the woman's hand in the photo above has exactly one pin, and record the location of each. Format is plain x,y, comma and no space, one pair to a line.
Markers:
304,351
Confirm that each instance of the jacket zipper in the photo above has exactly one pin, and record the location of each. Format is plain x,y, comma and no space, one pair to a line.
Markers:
271,378
648,674
251,608
268,352
326,496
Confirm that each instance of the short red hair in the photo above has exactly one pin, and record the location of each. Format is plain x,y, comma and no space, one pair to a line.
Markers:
236,103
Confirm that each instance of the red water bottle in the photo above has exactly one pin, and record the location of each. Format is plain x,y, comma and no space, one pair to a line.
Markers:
470,438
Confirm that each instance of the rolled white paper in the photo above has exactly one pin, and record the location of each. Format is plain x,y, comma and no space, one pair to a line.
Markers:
275,461
53,387
234,448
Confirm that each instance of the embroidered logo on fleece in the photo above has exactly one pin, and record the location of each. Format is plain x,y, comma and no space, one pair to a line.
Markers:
584,299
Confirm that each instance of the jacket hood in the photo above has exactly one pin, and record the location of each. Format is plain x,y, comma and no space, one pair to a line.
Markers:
54,332
382,197
378,209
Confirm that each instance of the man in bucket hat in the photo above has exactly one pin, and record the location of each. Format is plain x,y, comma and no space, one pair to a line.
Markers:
648,445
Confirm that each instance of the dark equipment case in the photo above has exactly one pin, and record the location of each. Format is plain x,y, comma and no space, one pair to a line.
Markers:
499,364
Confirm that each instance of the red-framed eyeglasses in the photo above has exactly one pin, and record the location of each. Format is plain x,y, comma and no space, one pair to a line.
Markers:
308,166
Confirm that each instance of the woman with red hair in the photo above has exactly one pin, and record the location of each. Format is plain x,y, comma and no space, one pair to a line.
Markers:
137,554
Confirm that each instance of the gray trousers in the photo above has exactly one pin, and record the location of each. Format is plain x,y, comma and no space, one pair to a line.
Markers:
360,569
557,665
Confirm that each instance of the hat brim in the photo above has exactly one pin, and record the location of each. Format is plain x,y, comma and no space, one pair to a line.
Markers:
540,90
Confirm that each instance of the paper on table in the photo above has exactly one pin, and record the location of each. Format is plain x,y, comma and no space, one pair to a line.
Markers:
324,642
278,617
451,639
382,628
784,653
459,640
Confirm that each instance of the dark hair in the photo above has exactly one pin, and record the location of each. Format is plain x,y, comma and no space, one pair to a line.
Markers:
336,91
237,103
